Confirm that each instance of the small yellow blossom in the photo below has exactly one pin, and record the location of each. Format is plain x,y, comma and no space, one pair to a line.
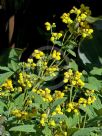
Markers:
56,55
55,36
48,26
58,94
38,54
52,123
42,121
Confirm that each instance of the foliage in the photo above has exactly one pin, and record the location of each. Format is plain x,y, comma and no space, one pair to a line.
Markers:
49,94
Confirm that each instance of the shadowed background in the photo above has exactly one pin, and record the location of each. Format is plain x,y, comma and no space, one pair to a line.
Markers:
29,19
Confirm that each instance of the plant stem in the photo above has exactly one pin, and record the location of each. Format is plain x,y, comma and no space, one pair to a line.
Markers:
71,93
84,120
73,96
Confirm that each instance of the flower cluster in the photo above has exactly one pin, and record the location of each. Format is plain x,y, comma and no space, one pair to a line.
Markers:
51,70
55,36
23,115
72,107
81,26
56,55
58,94
49,26
43,119
6,88
38,54
87,101
45,93
74,78
29,64
57,110
24,80
8,85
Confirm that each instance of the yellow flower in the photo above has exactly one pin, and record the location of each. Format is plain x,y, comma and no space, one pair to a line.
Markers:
73,82
65,80
55,36
76,110
44,115
48,26
52,39
19,89
84,35
47,90
56,55
29,102
65,133
52,123
42,121
38,54
83,16
30,60
8,85
68,110
54,113
66,18
58,109
58,94
34,90
78,11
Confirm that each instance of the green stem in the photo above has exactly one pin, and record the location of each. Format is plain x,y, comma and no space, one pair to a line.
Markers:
71,89
64,36
20,134
52,63
73,96
84,120
70,36
78,122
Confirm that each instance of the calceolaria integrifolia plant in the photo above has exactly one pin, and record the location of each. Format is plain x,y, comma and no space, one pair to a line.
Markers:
48,95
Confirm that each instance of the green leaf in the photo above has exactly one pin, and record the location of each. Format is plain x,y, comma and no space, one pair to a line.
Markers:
71,52
46,131
89,111
73,65
85,131
59,117
91,19
23,128
13,65
73,120
38,100
2,106
96,71
93,83
19,101
5,76
4,68
97,104
71,131
14,57
94,121
99,112
57,102
59,43
15,53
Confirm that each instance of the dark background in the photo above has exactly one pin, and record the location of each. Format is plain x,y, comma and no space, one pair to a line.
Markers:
30,16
